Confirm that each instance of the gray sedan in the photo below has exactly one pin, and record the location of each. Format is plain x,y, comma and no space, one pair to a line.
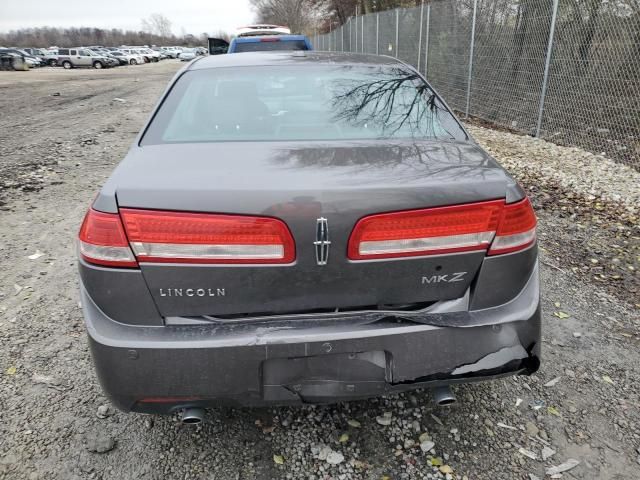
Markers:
305,227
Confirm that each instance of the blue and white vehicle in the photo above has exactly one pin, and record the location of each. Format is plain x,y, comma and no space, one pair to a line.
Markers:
270,43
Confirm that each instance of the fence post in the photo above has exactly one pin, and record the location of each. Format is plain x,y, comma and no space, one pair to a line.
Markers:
547,63
350,28
356,29
342,36
377,33
334,41
420,35
426,45
362,35
397,31
473,40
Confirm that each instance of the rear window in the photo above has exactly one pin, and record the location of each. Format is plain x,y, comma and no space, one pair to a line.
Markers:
301,102
270,46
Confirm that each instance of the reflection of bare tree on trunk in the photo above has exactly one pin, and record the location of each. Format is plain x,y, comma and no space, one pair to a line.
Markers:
396,100
393,161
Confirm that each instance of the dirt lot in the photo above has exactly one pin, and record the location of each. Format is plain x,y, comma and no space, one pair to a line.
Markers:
61,132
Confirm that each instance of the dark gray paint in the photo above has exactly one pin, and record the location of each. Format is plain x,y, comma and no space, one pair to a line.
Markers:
499,334
298,185
502,277
122,294
127,357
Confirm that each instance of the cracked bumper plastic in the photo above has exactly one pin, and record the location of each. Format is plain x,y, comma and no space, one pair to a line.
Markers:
160,369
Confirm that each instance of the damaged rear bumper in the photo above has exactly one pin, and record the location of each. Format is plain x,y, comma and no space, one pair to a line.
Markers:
161,369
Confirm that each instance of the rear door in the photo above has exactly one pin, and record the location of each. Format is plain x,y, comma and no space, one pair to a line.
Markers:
218,46
85,58
74,56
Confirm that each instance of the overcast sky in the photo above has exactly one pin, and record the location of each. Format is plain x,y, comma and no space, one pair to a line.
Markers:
194,16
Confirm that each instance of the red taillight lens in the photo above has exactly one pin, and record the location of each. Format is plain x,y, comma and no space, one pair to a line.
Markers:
426,232
517,228
103,241
441,230
179,237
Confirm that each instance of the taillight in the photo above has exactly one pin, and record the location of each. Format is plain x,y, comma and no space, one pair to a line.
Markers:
179,237
441,230
428,231
517,228
102,240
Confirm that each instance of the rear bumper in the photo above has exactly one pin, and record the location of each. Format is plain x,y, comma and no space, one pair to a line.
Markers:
161,369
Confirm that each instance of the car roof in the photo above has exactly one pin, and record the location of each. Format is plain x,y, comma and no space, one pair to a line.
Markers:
250,59
258,38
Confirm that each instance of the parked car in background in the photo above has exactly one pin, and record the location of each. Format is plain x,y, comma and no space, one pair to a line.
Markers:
168,52
188,54
110,60
51,57
131,51
120,57
27,58
148,54
33,61
269,43
152,54
80,57
127,58
146,58
172,52
12,61
349,240
163,54
37,53
179,50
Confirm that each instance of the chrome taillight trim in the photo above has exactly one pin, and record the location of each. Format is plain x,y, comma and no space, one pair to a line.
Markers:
481,240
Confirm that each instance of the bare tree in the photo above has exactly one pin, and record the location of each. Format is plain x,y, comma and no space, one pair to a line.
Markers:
298,15
157,24
74,36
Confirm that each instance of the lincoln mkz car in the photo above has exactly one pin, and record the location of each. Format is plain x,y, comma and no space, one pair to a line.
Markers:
305,227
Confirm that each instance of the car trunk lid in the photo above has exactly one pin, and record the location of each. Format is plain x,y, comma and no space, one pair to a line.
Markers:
309,187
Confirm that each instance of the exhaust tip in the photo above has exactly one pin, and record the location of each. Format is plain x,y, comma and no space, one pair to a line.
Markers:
443,396
192,416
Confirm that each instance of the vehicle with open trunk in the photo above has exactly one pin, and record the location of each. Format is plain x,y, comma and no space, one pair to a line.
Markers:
302,227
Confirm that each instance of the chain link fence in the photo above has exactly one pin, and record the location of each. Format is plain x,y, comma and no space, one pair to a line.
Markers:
565,70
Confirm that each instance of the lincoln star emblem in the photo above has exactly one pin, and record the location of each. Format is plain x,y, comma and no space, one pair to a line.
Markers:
322,242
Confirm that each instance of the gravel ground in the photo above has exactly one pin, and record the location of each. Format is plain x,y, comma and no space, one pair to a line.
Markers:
55,423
